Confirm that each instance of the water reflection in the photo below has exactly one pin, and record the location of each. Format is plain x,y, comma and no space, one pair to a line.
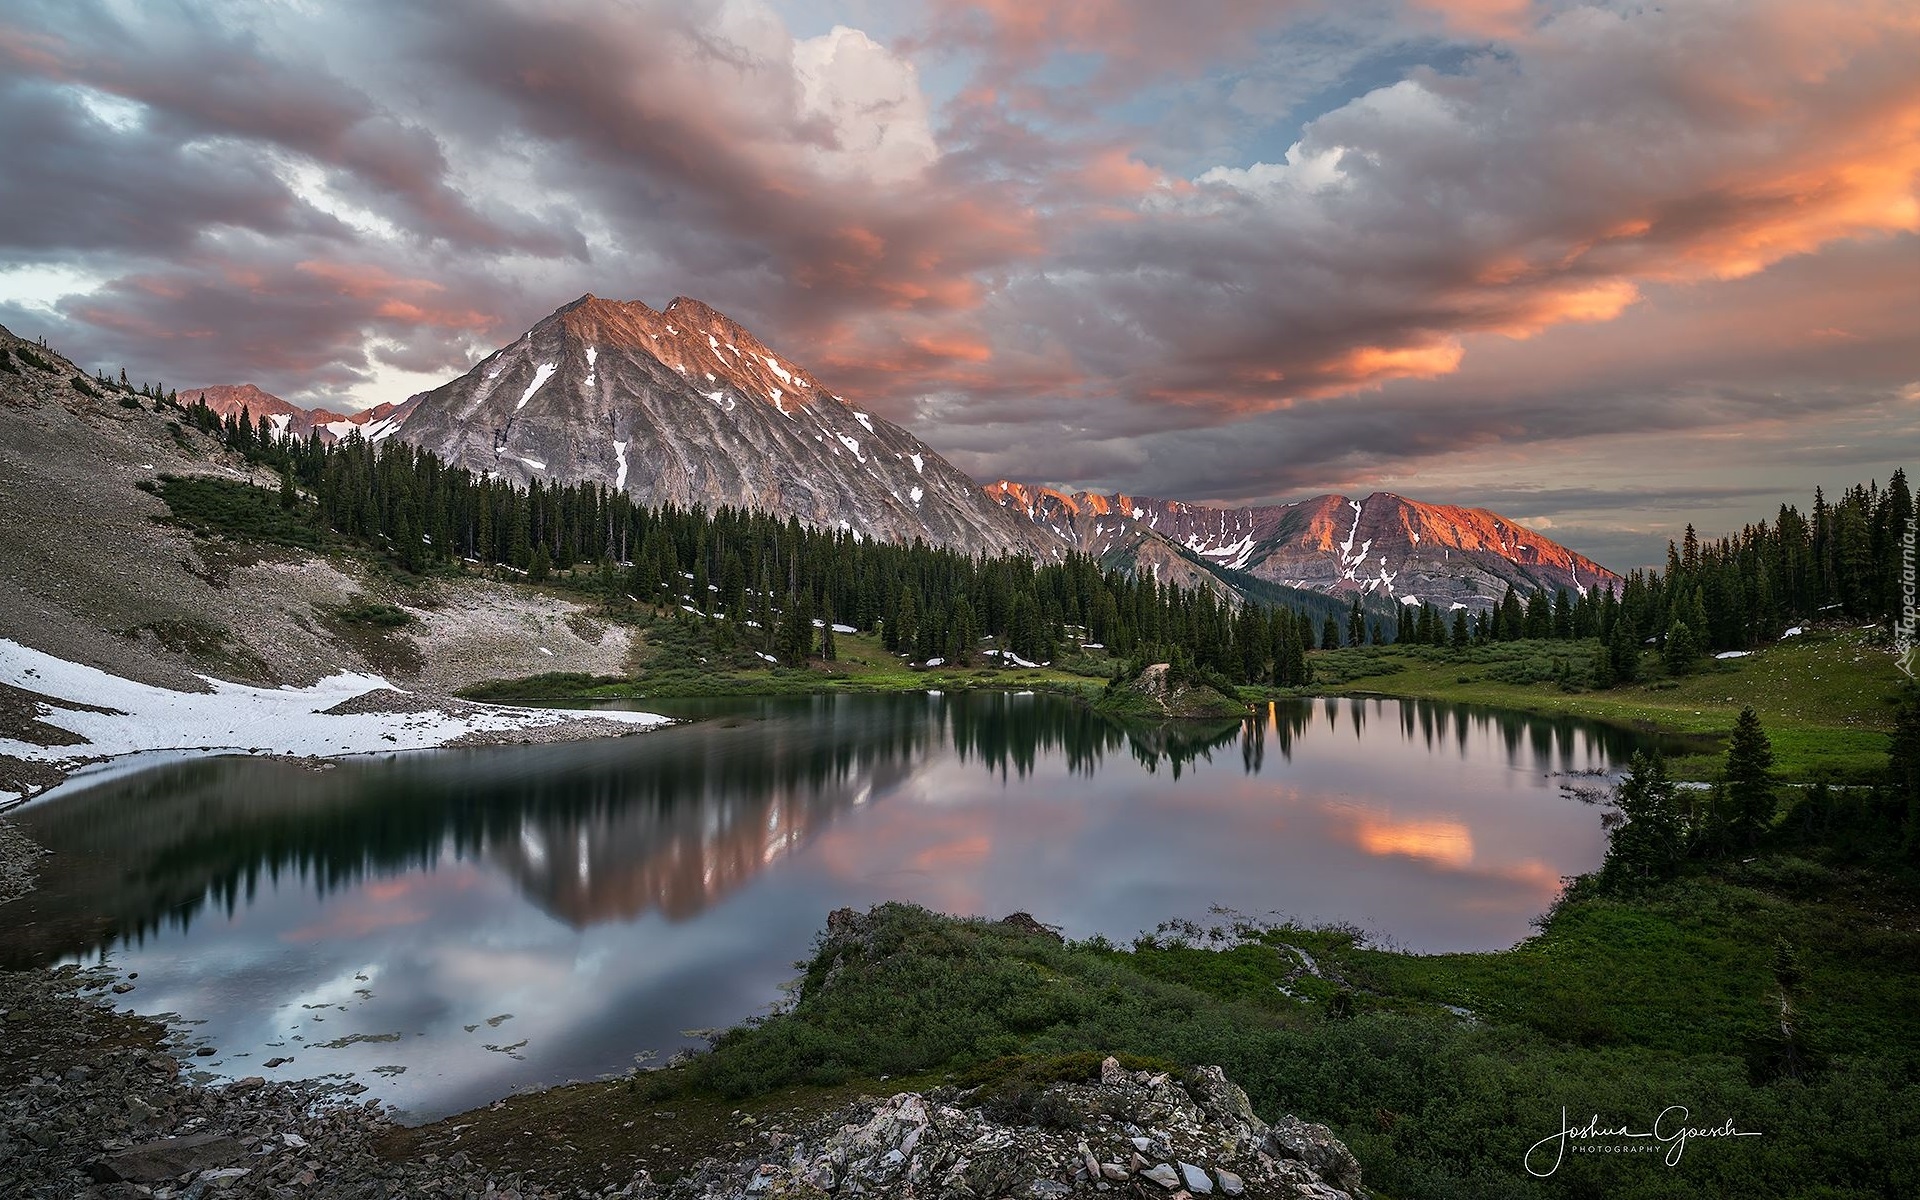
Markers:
612,894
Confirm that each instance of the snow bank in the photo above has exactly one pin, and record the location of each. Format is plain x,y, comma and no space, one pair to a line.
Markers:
1733,654
242,717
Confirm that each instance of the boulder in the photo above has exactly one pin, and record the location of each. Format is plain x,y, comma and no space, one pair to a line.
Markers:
169,1158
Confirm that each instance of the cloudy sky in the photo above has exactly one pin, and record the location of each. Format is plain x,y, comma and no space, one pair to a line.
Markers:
1603,267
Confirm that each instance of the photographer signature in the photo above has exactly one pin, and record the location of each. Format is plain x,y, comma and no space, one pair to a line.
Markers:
1670,1132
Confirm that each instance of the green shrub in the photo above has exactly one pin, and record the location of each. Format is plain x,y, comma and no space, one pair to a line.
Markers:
361,610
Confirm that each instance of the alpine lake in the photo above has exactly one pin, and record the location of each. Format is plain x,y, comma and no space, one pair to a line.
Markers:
447,927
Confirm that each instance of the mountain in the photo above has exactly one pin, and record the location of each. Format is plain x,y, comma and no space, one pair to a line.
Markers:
1382,545
684,406
380,421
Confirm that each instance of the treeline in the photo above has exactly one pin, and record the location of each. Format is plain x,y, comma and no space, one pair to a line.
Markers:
1663,826
771,585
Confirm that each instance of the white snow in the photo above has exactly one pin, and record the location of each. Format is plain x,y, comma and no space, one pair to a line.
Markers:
936,662
786,376
919,464
535,463
376,430
852,444
279,423
339,429
839,628
1093,645
1733,654
1239,552
721,398
714,343
1010,656
864,419
620,458
243,717
758,654
1410,598
774,395
916,493
544,651
593,352
541,374
1796,631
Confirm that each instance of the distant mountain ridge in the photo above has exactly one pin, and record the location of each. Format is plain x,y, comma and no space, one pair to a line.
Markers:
1382,545
288,419
686,406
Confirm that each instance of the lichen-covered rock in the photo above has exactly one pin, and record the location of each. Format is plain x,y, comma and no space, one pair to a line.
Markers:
1201,1133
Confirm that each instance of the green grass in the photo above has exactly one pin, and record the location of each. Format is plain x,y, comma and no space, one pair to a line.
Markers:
679,659
1826,697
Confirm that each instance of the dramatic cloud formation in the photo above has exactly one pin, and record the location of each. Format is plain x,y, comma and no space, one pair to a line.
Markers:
1537,253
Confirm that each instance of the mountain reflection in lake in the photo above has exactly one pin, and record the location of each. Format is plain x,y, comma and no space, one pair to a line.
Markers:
451,925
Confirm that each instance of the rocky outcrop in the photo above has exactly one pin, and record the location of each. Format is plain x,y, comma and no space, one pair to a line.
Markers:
1126,1133
1158,693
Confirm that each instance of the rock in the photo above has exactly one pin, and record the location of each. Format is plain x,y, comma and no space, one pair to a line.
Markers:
819,1176
1315,1145
1026,922
121,989
247,1084
206,1052
1048,1189
1163,1174
169,1158
139,1109
1196,1178
1117,1172
1230,1184
1111,1072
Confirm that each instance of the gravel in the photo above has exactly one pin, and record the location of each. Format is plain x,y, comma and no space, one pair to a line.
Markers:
92,1102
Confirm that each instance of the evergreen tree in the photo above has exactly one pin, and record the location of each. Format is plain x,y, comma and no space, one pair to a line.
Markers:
962,632
1330,635
1623,651
539,565
1649,842
829,649
1356,625
1748,777
1679,652
1461,634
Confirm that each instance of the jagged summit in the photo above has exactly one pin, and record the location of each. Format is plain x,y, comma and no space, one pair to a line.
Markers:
683,405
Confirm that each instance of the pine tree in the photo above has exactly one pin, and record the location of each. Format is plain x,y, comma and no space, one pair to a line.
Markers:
829,649
1649,843
540,565
1330,634
1748,777
1356,625
1679,652
1461,634
1623,651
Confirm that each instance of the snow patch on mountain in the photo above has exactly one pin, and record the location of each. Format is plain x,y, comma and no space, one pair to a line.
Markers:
541,374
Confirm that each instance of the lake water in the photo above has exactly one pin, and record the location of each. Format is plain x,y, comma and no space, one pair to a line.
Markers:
449,926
